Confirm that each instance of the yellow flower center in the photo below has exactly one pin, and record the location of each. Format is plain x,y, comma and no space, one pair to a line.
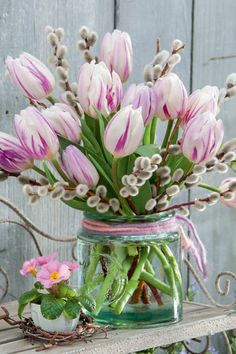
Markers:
30,268
54,276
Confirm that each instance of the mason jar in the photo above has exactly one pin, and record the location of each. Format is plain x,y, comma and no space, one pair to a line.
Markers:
130,269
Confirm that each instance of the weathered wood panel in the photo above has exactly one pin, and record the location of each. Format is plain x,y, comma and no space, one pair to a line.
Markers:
214,57
22,29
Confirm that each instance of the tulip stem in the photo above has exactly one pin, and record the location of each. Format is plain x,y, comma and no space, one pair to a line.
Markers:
38,170
209,187
167,135
52,100
147,133
59,170
153,130
123,202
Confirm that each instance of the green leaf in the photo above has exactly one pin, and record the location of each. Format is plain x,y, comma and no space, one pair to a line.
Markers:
140,200
87,302
88,137
102,122
26,299
147,150
77,204
64,290
52,307
38,285
51,178
72,309
101,167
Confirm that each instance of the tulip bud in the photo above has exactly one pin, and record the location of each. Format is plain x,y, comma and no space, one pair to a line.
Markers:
124,132
35,134
225,186
78,168
31,76
200,101
171,96
64,121
98,88
144,97
202,138
117,53
13,158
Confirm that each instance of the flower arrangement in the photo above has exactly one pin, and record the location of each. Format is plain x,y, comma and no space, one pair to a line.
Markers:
95,148
51,289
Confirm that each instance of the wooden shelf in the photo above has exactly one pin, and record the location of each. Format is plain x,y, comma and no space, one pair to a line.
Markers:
199,320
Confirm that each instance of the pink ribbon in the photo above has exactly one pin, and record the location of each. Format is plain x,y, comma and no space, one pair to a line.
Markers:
192,244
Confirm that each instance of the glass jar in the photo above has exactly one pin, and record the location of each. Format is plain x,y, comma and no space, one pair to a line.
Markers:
130,269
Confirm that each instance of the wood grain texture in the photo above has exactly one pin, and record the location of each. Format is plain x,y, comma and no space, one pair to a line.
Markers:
22,29
214,57
199,320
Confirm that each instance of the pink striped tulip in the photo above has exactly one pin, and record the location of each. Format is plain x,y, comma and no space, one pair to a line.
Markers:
13,158
144,97
35,134
224,186
202,138
200,101
124,132
64,121
30,76
172,97
98,88
117,53
78,168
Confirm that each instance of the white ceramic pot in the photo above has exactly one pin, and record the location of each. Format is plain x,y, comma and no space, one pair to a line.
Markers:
60,324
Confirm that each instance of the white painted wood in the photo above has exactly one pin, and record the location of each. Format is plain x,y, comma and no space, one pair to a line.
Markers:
214,57
22,29
199,320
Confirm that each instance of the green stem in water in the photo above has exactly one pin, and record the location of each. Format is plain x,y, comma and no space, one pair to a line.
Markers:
88,287
106,286
38,170
209,187
133,282
153,130
123,202
167,135
147,133
95,256
150,279
52,100
59,170
166,266
174,265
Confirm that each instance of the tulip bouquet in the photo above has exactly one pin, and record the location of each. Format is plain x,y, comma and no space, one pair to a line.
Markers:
95,148
51,289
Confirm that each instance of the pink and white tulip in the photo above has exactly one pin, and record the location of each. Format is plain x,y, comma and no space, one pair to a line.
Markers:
124,132
13,157
224,186
98,88
144,97
172,97
64,121
117,53
52,273
78,167
200,101
202,138
35,134
30,76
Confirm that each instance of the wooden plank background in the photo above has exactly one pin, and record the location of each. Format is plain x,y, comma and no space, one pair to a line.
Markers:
207,29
